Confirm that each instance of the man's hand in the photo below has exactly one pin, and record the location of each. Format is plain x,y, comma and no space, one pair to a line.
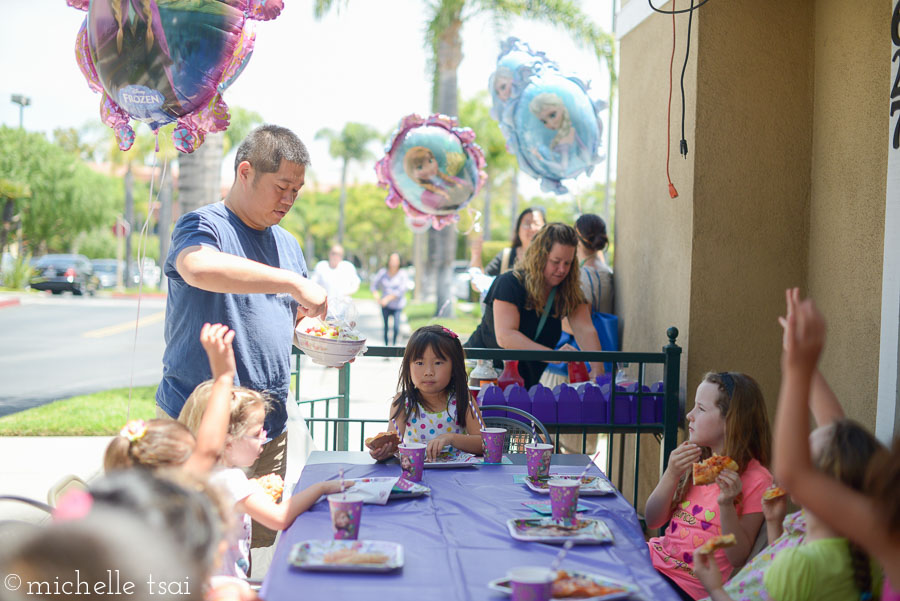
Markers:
216,340
312,298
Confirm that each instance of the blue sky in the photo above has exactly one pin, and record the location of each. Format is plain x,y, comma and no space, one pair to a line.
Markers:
365,64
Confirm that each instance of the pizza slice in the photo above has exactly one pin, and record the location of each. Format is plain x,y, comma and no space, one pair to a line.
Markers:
707,471
381,439
773,492
715,543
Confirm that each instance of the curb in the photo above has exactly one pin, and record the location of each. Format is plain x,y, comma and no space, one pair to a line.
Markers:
134,296
9,302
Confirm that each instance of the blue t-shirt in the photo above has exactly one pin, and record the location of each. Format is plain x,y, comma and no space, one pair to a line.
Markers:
263,323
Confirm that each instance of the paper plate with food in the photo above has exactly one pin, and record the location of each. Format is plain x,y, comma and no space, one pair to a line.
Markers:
573,584
453,457
347,555
582,531
590,485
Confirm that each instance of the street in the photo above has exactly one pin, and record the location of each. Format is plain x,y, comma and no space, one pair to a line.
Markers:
56,347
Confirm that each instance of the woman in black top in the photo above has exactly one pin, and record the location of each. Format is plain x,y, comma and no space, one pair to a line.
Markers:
516,300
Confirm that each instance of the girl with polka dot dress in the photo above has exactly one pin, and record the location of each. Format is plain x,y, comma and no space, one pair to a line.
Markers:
432,405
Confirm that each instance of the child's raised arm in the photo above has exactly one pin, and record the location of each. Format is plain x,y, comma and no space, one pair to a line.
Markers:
822,401
279,516
216,340
850,513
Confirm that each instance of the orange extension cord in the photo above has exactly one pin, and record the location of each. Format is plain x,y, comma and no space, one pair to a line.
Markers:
672,191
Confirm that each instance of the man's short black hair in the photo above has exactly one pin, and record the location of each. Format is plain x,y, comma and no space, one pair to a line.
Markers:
267,145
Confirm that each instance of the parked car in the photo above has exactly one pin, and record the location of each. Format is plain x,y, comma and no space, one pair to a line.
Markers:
151,271
461,280
58,273
107,271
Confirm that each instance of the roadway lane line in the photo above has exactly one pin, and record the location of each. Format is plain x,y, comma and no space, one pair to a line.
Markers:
125,327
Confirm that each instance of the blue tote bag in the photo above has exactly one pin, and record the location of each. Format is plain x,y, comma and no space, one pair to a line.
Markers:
607,326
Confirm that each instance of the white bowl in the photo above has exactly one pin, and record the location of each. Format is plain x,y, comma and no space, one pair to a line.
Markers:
328,351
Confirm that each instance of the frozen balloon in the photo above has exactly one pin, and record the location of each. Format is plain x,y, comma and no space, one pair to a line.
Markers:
549,120
160,61
432,168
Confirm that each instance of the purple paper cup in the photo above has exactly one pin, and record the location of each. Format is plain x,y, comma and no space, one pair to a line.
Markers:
537,455
345,512
564,498
493,444
412,460
531,583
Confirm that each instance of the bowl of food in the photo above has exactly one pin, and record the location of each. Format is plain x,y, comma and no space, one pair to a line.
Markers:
328,344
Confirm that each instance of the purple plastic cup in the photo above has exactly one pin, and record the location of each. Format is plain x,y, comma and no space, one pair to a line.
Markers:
564,498
412,460
531,583
537,456
345,512
493,444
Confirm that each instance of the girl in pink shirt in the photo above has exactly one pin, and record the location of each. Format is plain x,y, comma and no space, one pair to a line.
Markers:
729,418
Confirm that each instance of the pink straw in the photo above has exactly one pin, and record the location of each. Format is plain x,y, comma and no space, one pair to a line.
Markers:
341,478
588,466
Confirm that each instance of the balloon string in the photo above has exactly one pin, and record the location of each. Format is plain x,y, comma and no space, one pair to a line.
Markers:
142,252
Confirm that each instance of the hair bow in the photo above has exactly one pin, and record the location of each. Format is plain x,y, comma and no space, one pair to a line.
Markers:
134,430
450,332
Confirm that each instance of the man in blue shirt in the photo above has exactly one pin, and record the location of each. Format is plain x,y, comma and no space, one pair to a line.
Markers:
231,263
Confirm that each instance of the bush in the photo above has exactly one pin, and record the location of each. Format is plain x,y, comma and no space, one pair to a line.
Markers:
20,274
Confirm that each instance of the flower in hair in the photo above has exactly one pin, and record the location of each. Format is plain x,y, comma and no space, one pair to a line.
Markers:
134,430
450,332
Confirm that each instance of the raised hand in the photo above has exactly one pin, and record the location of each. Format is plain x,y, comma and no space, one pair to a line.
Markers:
804,335
775,509
216,340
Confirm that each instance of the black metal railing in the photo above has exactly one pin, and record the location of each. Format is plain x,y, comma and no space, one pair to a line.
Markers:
335,430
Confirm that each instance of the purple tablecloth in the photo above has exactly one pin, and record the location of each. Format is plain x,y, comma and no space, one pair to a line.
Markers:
455,540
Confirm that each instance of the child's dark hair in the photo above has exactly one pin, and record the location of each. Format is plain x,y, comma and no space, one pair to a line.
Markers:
748,434
445,344
847,456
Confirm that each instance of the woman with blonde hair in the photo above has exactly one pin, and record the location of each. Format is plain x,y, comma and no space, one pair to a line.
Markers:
525,306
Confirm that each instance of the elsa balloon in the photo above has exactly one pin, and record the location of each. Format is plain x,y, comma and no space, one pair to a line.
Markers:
160,61
548,118
432,168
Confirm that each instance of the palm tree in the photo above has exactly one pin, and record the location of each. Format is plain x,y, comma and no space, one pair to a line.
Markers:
349,144
444,44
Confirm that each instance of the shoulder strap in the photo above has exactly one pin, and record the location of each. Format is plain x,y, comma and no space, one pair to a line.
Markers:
545,313
504,259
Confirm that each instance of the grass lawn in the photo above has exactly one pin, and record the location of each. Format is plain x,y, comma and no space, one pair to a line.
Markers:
98,414
468,316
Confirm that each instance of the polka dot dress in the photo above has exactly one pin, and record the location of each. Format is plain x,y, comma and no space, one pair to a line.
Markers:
426,426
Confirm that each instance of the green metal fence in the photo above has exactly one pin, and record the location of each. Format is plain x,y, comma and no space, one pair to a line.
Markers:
334,430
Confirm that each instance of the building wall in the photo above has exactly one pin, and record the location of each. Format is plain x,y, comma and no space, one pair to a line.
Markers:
786,120
849,170
751,184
